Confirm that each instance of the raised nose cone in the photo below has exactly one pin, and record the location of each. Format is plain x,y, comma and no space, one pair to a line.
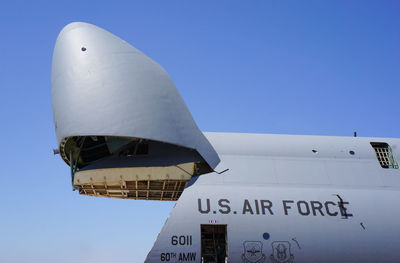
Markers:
102,86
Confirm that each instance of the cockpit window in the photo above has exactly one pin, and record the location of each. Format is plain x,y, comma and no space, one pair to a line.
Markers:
385,156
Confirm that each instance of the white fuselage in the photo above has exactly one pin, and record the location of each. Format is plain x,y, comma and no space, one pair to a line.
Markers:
290,199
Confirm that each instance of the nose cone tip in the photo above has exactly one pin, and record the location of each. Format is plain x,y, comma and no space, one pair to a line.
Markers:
80,36
70,33
80,31
75,25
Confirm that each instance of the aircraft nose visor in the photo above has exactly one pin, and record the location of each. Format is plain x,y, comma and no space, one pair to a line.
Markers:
107,94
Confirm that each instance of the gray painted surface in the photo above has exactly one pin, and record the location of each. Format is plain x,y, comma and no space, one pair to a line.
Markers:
283,167
101,85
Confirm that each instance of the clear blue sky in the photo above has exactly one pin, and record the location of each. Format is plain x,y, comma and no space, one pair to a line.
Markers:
294,67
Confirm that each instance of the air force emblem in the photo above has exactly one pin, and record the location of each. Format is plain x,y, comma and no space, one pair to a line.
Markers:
281,252
253,252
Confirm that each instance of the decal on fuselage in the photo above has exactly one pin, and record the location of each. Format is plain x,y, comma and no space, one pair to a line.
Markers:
281,252
252,252
266,207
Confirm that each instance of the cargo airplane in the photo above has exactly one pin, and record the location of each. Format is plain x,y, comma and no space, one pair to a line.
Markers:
125,132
